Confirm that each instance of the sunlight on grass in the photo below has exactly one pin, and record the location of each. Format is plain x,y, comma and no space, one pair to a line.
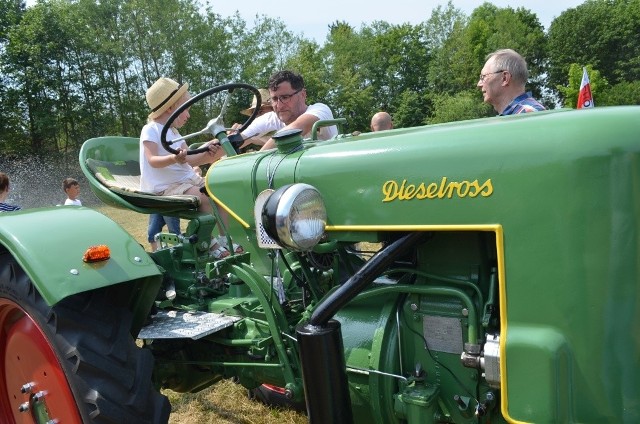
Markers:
133,222
226,403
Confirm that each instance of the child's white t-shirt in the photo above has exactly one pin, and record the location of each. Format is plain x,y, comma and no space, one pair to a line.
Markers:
157,180
74,202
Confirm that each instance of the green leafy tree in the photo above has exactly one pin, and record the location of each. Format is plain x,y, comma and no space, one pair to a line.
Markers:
106,103
458,107
603,33
349,94
11,12
370,69
412,109
258,52
623,93
11,128
36,55
447,50
402,61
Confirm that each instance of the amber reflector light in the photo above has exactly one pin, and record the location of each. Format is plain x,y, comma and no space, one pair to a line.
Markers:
97,253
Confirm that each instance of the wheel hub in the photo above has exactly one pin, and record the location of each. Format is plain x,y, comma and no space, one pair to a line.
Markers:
35,389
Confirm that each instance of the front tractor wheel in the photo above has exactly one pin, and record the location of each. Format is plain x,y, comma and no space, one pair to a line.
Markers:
72,363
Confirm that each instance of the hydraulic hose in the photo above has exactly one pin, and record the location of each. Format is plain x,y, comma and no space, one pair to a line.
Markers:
365,276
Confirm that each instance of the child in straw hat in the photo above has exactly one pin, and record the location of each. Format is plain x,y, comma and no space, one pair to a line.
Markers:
165,173
162,172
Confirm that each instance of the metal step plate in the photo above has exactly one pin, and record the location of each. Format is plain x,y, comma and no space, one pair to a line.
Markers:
181,325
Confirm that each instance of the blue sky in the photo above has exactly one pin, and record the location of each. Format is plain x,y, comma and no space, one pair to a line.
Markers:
313,18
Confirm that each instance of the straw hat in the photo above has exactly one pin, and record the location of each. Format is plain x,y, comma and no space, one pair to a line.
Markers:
163,94
266,102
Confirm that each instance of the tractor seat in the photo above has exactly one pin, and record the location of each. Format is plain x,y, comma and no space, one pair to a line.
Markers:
123,179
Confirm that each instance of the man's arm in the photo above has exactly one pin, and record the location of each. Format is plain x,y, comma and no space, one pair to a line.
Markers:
304,122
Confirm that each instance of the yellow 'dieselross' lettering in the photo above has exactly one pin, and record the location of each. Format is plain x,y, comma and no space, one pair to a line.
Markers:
392,190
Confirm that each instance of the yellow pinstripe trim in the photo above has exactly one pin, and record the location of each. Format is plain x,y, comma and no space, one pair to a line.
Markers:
485,227
229,211
220,202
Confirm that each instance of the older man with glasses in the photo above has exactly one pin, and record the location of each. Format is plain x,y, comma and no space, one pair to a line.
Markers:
502,81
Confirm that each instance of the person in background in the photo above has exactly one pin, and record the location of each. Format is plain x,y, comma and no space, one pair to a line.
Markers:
4,193
381,121
265,124
156,223
289,101
502,81
265,104
72,189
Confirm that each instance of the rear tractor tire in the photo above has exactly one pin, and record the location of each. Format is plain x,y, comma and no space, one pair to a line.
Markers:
74,362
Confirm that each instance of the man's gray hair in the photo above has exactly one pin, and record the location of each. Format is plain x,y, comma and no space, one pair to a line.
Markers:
510,60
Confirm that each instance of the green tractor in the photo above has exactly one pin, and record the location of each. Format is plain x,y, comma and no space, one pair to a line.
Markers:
485,271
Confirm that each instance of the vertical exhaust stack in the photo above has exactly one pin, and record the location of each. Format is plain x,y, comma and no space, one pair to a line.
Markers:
320,340
323,368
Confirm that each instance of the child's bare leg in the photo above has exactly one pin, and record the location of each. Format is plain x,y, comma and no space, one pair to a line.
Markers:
205,205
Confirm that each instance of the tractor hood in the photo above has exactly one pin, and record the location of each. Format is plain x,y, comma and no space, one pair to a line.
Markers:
475,172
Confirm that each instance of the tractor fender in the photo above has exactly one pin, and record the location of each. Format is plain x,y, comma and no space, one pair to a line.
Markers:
49,244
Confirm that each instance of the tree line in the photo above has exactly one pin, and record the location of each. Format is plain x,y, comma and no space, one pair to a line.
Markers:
76,69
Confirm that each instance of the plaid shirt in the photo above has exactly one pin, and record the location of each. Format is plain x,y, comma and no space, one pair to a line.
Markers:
522,104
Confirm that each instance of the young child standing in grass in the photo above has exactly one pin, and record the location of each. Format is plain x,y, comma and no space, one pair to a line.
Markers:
72,189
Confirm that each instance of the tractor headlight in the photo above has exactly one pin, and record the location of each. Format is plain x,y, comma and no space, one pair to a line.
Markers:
294,216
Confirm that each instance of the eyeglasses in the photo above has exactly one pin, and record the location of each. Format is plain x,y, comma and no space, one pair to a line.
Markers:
284,98
483,76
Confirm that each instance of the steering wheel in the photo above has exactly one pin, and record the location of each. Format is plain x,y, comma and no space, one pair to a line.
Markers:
216,126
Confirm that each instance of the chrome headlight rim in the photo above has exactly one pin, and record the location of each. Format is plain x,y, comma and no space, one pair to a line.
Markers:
277,215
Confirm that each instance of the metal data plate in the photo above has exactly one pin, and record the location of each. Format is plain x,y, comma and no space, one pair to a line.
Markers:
181,324
443,334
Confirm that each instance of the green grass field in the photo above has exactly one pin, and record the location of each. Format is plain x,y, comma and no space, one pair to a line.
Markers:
223,403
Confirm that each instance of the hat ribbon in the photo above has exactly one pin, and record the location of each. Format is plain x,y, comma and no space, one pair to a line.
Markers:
167,99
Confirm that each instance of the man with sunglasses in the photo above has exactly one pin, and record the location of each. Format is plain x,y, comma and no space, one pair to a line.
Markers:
502,81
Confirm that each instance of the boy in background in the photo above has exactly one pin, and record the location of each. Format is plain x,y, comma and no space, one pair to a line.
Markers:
72,190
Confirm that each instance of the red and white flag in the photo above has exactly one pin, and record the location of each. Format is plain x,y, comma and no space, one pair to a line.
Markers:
585,99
